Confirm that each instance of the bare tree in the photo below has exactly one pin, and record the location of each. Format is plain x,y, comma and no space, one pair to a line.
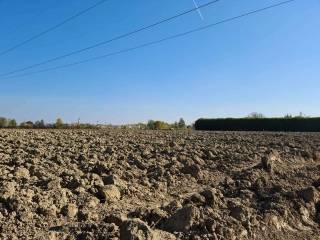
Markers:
255,115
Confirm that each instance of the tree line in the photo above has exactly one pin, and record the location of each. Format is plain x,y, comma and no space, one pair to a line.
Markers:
160,125
59,124
41,124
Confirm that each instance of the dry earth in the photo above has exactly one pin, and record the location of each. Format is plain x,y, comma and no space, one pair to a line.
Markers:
135,185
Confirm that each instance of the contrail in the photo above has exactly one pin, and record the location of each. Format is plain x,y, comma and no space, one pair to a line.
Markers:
199,11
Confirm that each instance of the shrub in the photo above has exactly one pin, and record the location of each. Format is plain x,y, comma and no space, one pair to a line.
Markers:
181,123
159,125
59,123
12,123
3,122
27,124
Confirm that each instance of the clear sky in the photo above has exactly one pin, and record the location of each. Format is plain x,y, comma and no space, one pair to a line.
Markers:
269,62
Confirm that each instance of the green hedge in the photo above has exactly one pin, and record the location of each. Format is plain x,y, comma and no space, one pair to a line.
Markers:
259,124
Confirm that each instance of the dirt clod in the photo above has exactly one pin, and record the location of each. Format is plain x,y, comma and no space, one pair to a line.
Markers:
269,160
22,172
308,194
136,229
70,210
182,220
109,193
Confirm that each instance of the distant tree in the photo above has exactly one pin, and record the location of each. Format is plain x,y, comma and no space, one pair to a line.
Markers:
12,123
28,124
39,124
59,123
288,116
256,115
151,125
3,122
181,123
141,126
175,125
42,123
301,115
159,125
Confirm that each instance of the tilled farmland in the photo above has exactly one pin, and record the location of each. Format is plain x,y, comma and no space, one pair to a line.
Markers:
136,185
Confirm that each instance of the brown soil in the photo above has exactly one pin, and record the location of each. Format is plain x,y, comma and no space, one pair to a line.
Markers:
153,185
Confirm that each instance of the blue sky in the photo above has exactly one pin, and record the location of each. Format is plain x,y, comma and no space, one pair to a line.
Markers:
266,63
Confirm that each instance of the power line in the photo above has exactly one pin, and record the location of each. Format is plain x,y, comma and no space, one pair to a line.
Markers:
38,35
154,42
111,40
